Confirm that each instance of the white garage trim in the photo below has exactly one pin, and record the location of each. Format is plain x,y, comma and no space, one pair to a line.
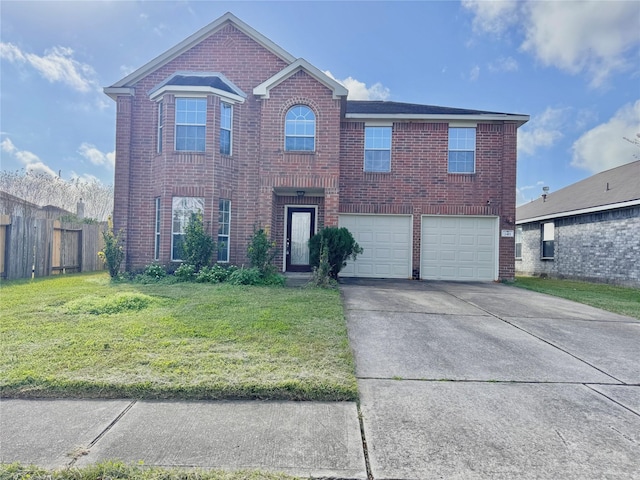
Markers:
459,247
387,241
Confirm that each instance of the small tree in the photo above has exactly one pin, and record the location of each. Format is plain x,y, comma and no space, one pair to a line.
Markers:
261,252
198,246
340,244
322,273
113,252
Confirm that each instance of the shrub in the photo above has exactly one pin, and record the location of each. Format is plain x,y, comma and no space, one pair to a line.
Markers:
322,273
215,274
341,246
273,280
155,271
261,252
113,253
198,246
246,276
185,272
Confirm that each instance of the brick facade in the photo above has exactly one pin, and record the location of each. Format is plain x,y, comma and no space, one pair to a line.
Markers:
261,179
601,247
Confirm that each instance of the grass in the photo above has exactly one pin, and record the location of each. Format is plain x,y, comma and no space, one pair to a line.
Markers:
119,470
616,299
84,336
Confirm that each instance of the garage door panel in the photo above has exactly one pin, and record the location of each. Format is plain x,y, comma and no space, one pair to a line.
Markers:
459,248
386,240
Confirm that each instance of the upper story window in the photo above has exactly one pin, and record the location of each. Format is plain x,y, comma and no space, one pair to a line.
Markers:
462,150
300,129
377,149
226,120
547,234
191,120
160,124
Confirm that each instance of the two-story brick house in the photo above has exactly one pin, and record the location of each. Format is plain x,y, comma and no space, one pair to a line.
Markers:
229,124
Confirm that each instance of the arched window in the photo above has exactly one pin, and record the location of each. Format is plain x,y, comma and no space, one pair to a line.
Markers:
300,129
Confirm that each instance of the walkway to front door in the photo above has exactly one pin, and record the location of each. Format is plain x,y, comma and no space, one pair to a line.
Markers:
301,225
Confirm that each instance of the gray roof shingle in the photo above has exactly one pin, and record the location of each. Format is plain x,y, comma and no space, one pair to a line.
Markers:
379,107
614,186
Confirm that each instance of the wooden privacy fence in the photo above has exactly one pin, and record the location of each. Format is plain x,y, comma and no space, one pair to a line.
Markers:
48,247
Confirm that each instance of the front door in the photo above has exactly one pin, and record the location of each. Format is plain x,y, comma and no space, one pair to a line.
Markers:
301,225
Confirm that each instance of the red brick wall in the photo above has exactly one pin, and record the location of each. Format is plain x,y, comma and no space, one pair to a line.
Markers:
419,183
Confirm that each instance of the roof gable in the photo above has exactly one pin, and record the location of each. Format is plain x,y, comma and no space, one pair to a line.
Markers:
263,89
612,188
122,85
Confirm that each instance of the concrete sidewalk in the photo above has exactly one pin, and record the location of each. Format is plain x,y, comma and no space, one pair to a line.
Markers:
308,439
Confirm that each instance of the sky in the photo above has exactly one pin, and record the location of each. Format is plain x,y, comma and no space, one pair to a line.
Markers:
574,67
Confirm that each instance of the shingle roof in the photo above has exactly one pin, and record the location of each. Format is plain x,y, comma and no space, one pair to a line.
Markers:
604,190
379,107
213,81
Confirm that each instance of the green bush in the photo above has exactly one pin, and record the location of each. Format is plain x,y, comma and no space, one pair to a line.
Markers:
198,247
322,273
215,274
261,252
113,253
341,246
155,271
185,272
246,276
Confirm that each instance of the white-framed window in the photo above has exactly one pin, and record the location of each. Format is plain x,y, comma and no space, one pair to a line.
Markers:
547,237
182,208
156,240
377,149
300,129
191,120
519,242
462,150
224,224
226,121
160,125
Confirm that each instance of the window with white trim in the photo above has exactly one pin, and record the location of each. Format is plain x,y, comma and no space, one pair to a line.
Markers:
547,234
224,224
519,242
182,208
156,243
377,149
160,124
300,129
226,120
191,120
462,150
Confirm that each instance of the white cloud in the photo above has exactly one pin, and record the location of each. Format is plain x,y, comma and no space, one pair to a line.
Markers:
528,192
95,156
543,130
604,147
359,91
591,37
30,160
503,64
474,74
56,65
493,16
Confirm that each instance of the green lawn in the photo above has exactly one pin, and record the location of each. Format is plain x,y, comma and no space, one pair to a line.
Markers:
622,300
119,470
84,336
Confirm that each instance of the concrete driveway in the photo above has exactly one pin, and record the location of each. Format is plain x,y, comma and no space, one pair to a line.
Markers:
491,381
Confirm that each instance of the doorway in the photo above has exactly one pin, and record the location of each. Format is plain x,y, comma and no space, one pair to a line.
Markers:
301,226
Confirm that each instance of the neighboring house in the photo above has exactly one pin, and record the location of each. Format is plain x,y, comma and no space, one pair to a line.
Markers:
589,230
229,124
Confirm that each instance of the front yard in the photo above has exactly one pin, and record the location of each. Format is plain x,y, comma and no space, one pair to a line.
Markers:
84,336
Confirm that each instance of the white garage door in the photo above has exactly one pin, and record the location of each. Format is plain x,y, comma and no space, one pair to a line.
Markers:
386,240
459,248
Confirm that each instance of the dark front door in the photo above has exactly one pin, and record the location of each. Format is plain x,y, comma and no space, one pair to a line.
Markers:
301,225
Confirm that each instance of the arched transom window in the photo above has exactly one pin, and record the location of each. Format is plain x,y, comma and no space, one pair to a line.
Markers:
300,129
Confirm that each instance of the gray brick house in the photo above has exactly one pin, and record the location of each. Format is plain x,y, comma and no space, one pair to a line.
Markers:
588,231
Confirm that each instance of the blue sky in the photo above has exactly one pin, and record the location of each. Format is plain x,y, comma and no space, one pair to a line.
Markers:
574,67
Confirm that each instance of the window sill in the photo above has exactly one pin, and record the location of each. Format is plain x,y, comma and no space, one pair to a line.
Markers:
547,258
299,152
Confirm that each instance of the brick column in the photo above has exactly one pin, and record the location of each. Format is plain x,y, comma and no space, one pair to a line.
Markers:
122,174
